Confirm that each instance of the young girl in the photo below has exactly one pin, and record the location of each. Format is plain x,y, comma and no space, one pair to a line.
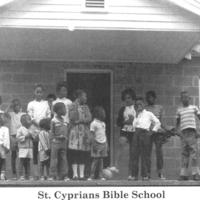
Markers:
99,142
44,147
24,137
58,138
4,146
38,109
15,114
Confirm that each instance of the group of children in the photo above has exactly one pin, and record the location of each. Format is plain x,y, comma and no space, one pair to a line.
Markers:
42,136
52,130
141,124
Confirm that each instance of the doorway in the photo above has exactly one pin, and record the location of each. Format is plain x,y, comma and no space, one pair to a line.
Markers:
98,86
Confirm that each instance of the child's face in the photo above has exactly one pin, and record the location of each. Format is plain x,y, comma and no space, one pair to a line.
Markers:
128,100
139,104
83,98
150,100
61,111
50,101
185,99
62,92
103,114
38,93
16,106
26,121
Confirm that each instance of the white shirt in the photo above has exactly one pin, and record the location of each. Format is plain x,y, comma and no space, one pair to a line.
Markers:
38,110
4,137
15,122
99,129
129,111
67,103
145,120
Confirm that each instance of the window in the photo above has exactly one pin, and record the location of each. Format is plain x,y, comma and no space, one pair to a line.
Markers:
94,5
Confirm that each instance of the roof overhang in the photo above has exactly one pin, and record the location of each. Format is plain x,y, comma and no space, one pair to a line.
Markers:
91,45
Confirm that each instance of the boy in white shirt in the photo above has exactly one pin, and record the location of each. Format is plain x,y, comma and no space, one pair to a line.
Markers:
145,122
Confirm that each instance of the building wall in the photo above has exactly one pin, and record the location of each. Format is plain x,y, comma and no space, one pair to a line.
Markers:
17,79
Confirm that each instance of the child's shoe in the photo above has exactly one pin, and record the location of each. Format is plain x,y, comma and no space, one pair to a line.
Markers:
66,179
196,177
183,178
145,178
42,178
161,176
30,178
21,178
3,177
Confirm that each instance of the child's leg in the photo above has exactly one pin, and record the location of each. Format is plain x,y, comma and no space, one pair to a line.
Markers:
42,164
21,166
62,163
184,158
135,154
100,167
27,167
159,154
13,161
35,159
145,153
94,167
54,160
0,164
122,145
47,167
3,168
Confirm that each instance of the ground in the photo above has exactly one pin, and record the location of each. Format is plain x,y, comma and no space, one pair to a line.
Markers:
12,183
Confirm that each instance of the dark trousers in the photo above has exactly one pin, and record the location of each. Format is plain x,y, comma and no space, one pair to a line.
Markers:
96,167
24,165
13,161
2,165
141,150
156,139
58,165
43,165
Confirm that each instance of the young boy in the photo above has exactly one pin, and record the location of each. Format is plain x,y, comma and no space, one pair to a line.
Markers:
15,114
157,110
24,137
187,123
61,90
58,138
145,122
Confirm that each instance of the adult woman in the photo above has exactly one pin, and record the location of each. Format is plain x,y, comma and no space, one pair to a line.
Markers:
79,133
125,119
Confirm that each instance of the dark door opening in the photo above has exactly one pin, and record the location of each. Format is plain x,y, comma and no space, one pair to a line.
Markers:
98,88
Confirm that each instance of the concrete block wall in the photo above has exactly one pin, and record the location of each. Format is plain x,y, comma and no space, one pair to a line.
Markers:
17,79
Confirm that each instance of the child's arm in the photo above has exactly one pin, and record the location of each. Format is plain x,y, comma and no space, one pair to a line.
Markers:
155,121
6,142
20,136
197,112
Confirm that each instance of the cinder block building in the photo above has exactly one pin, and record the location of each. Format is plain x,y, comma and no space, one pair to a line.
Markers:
103,47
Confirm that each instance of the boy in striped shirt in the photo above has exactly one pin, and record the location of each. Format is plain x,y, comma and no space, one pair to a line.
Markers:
186,121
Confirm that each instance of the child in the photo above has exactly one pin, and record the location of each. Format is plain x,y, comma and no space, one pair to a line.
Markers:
4,146
125,119
15,123
51,98
38,109
157,110
61,90
143,123
59,136
99,142
187,123
24,137
44,147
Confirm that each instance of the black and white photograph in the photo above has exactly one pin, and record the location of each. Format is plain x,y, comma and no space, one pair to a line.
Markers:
99,99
